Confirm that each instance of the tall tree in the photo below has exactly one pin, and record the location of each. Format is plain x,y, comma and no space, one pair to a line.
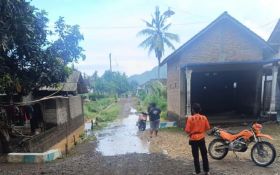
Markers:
158,35
28,59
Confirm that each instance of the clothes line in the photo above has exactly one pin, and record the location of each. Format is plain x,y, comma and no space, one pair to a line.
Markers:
34,101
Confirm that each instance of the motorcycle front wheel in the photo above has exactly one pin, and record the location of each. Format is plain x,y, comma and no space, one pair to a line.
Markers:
141,128
218,149
263,153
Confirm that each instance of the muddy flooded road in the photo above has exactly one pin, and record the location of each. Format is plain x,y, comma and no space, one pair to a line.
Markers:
121,137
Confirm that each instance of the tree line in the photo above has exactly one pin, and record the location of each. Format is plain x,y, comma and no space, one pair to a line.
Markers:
111,83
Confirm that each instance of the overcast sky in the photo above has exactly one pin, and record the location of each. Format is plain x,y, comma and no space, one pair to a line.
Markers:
110,26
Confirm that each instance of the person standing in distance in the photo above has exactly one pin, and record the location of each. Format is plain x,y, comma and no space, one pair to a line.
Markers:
154,114
196,126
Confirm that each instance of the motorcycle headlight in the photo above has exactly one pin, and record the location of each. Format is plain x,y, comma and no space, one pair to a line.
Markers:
257,128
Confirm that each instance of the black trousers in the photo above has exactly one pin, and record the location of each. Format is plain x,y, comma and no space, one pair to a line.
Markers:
196,146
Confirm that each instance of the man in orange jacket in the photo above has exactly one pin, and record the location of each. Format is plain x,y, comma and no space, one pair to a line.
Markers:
196,126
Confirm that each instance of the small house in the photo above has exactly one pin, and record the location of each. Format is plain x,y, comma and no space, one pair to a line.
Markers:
46,119
227,68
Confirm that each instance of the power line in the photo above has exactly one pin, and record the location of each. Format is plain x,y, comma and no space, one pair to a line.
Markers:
132,27
178,24
268,24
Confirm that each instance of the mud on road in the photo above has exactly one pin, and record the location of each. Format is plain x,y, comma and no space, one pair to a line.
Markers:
167,154
174,144
87,161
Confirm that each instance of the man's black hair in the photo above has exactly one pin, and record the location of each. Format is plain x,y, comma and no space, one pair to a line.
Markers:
144,113
196,108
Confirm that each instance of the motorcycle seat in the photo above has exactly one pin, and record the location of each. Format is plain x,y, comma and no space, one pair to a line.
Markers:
228,136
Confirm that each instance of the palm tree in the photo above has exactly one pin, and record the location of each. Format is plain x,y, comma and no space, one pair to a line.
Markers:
158,35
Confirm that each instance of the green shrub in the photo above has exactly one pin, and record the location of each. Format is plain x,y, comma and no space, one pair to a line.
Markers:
95,96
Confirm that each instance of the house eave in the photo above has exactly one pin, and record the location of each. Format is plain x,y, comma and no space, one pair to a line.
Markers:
260,62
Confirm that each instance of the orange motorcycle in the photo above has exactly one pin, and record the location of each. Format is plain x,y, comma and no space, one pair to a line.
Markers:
262,153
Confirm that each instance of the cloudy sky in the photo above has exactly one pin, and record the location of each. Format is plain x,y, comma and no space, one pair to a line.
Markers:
110,26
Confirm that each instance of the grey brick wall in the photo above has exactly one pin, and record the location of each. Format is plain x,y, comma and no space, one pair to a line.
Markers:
75,106
46,140
49,111
62,110
66,123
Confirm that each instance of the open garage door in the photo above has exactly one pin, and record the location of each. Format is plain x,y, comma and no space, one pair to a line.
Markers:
225,93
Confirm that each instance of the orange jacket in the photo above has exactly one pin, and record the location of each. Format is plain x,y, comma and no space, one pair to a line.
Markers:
196,126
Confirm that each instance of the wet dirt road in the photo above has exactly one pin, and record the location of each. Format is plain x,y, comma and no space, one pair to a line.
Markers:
121,150
121,137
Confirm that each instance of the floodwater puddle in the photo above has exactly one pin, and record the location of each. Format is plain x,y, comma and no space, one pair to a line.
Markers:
121,137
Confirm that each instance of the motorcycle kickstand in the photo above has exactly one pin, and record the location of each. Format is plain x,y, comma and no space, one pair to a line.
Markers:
236,156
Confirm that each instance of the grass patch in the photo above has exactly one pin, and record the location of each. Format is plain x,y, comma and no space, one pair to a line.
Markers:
102,111
110,113
93,108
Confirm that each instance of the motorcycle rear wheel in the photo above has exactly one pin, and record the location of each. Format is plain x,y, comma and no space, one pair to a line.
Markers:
261,150
215,152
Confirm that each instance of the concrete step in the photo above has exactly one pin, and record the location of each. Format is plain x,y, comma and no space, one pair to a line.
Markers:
167,124
34,157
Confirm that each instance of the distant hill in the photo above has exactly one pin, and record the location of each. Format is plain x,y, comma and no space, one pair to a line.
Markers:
148,75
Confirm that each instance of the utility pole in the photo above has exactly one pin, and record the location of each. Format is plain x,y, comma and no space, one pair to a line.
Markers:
110,62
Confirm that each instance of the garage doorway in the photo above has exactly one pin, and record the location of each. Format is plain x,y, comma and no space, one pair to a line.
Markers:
225,93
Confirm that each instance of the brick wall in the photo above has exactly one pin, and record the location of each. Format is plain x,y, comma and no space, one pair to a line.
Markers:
173,87
62,110
46,140
68,123
223,43
49,111
76,108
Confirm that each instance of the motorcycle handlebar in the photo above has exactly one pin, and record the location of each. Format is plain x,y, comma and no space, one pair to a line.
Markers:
212,131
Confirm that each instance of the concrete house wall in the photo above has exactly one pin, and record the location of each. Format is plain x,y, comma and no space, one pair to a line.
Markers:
67,121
